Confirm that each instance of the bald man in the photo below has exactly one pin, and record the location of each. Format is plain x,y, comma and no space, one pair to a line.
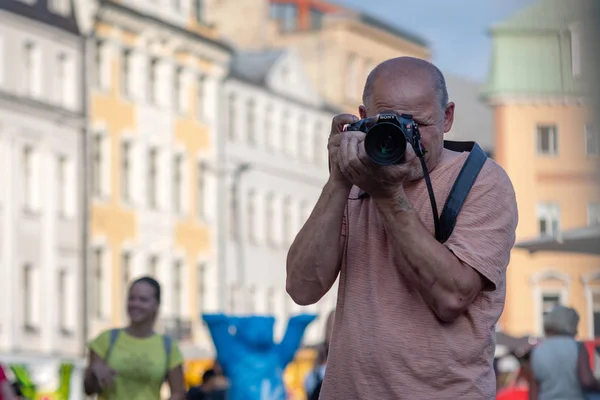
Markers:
415,318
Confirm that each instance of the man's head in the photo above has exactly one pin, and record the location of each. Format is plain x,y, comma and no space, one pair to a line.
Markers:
412,86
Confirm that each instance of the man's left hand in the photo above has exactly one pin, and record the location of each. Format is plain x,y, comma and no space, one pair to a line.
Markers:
378,181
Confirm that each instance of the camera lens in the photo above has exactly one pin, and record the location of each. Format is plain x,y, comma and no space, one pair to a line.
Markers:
385,144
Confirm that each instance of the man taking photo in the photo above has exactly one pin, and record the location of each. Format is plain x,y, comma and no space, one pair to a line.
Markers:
415,316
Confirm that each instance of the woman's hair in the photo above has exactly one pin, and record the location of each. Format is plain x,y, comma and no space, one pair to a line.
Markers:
561,320
150,281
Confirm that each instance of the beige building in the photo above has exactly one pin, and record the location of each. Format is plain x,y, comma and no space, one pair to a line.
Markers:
338,46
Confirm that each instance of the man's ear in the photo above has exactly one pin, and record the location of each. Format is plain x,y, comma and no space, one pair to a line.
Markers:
448,117
362,111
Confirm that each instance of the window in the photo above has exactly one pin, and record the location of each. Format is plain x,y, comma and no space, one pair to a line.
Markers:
177,183
593,213
251,300
126,268
287,221
64,191
303,150
63,78
177,5
232,117
596,312
61,7
316,19
201,97
286,15
286,133
33,70
99,173
549,300
102,66
270,218
576,31
201,279
548,218
65,301
547,140
30,178
271,300
250,122
319,145
179,92
352,77
2,63
268,129
153,83
251,215
98,283
201,191
592,140
126,171
177,288
30,309
153,267
153,179
126,73
199,11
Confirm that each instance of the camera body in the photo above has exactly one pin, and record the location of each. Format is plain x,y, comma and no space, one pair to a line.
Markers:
387,137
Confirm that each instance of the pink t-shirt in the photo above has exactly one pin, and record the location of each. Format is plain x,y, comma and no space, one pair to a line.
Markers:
387,343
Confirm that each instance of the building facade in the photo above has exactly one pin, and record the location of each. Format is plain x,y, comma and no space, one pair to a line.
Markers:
154,93
338,46
41,211
275,149
546,139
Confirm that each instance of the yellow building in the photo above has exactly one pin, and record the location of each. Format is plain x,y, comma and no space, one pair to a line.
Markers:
152,105
338,46
547,142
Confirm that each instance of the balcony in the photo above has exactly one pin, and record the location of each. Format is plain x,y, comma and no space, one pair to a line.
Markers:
178,329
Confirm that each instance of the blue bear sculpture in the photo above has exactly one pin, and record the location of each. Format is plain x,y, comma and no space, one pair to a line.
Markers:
248,355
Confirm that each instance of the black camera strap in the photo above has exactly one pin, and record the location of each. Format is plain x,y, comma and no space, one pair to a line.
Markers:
460,190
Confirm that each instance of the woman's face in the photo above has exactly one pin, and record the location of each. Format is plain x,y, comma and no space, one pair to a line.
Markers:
142,304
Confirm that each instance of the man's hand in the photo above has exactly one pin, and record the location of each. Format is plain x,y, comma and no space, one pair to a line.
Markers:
333,146
378,181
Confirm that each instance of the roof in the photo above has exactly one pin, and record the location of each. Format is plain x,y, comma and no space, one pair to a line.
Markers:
39,11
378,23
473,120
254,66
545,15
582,240
395,30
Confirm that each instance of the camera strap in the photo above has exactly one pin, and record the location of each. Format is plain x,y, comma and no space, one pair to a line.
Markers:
461,188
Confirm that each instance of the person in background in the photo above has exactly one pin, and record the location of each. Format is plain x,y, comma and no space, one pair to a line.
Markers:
214,387
134,363
560,366
6,390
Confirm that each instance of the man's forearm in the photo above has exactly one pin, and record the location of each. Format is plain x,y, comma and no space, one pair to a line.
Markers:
445,284
314,258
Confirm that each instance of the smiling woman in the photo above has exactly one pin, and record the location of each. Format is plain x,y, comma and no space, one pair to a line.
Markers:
133,362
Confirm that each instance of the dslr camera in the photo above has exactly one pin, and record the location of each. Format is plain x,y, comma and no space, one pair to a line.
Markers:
388,134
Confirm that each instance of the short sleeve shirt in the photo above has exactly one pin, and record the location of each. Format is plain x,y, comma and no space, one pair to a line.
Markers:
386,342
140,363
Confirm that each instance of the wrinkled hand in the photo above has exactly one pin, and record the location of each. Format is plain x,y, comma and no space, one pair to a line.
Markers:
105,376
333,147
378,181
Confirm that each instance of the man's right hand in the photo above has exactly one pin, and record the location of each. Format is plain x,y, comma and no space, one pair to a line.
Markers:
105,376
333,146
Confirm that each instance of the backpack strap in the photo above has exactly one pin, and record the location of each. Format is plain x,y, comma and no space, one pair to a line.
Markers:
168,345
461,188
114,334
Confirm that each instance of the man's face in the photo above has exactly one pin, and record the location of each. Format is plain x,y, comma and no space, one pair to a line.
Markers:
413,94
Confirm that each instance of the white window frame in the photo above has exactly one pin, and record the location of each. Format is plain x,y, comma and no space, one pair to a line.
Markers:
32,183
551,210
33,69
576,30
590,289
553,140
537,279
60,7
102,65
102,285
67,194
595,152
593,213
32,316
103,169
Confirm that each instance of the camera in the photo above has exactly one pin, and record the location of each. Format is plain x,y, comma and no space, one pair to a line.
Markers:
387,137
